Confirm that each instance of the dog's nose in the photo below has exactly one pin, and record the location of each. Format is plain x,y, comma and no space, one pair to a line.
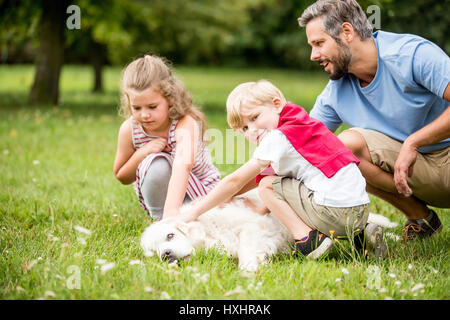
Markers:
166,254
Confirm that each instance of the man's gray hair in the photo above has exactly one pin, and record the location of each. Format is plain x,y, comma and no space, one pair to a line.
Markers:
334,13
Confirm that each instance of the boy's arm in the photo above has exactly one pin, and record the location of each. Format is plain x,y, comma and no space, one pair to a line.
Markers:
226,188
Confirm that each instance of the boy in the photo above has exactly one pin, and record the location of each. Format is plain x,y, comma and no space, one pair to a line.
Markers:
311,183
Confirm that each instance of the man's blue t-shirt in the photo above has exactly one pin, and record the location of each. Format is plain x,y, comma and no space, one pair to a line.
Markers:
405,95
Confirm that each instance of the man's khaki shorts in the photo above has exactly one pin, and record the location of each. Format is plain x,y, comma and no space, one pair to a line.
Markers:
332,221
430,181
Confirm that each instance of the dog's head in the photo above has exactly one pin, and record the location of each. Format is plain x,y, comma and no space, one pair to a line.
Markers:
171,240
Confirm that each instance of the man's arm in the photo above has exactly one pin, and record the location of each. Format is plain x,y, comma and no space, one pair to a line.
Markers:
434,132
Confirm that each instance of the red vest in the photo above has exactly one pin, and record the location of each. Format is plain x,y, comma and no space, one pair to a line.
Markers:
312,139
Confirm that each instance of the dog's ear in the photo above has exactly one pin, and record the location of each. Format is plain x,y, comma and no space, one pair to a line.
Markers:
193,231
183,227
147,243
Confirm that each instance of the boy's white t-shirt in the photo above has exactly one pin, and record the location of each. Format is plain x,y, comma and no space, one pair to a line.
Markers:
347,188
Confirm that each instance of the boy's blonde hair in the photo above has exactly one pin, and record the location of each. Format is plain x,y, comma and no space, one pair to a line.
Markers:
248,95
153,72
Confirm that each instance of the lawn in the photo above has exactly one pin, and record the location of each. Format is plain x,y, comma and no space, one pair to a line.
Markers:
70,230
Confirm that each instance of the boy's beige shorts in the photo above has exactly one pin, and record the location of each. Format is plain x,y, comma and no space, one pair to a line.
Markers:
332,221
430,181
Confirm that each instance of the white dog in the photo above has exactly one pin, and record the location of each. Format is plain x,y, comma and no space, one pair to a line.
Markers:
235,229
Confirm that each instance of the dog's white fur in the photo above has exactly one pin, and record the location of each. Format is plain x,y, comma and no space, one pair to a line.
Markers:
235,229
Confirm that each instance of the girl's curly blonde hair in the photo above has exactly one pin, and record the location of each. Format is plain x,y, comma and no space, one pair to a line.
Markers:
153,72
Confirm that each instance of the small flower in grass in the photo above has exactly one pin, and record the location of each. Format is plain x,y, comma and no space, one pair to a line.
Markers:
418,287
20,289
100,261
148,289
254,287
236,290
195,269
52,237
82,230
398,283
345,271
6,152
49,294
200,278
392,275
36,162
106,267
338,280
410,266
332,233
165,295
134,262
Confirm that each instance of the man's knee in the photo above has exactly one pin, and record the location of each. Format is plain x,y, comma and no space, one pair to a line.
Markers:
354,141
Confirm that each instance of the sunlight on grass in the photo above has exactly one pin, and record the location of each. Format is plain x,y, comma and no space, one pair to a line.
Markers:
70,230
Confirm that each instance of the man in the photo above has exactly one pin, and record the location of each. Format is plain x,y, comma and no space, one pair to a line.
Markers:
393,90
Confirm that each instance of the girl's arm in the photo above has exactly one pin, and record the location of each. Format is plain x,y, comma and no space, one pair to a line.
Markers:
127,159
187,135
226,188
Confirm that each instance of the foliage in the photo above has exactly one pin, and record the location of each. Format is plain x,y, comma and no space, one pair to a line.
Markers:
205,32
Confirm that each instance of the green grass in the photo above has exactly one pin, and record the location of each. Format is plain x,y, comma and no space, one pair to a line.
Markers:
56,174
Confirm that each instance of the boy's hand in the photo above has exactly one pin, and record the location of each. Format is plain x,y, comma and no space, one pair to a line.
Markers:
261,210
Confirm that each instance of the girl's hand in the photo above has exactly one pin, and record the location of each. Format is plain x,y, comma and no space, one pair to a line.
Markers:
187,216
156,145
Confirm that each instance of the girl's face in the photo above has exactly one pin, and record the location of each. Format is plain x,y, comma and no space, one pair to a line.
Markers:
260,120
150,109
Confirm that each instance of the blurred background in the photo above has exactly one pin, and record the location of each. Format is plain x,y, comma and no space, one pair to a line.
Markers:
213,33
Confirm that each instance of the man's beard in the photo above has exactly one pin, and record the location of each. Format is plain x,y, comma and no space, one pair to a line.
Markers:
340,62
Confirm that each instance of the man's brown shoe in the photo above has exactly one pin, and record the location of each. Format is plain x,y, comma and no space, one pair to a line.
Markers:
422,228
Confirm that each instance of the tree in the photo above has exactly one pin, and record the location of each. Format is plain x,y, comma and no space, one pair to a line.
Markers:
50,55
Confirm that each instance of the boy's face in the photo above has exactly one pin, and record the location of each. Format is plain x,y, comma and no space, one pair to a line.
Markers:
260,120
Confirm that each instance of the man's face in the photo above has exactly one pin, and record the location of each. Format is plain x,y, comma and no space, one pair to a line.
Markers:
334,56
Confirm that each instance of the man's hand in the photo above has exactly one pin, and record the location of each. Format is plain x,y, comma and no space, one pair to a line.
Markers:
403,168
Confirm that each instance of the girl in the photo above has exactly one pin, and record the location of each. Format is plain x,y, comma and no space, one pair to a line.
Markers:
160,145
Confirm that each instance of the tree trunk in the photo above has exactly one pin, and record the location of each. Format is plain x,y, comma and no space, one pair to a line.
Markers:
98,60
49,60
